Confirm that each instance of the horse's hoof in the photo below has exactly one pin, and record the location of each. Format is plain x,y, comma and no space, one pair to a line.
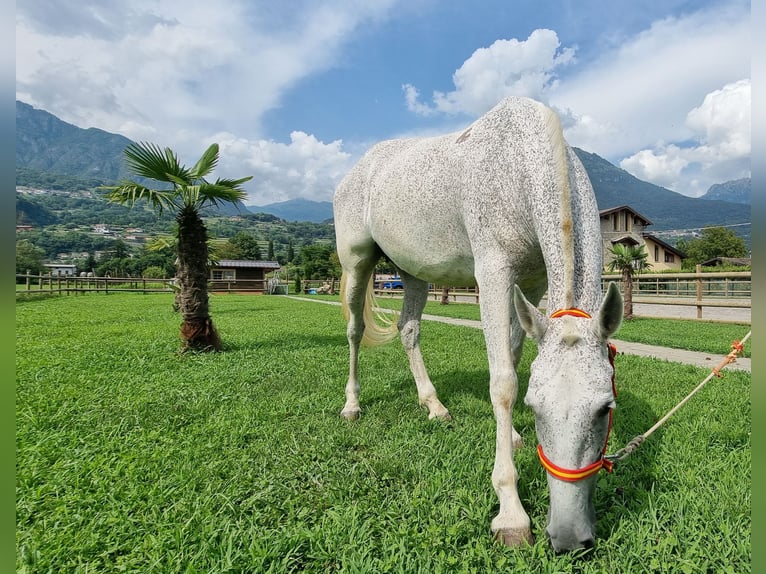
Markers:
350,415
515,537
445,416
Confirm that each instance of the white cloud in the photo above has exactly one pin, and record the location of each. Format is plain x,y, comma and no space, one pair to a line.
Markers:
719,148
507,67
175,72
635,96
306,167
638,95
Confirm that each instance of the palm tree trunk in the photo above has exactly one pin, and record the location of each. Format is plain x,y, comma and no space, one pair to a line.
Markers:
197,330
627,309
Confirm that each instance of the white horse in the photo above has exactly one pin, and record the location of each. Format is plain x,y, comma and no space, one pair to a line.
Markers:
505,205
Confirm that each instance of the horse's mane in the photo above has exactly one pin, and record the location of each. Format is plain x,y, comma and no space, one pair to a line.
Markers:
561,166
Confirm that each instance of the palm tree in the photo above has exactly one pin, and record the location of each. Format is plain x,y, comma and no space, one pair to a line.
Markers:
630,260
187,193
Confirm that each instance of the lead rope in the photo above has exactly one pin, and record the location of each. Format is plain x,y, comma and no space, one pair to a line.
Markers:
635,442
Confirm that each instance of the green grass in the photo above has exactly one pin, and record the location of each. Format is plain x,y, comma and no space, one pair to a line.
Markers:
133,458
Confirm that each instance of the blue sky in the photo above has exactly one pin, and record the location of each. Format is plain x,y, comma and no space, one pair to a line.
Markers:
295,91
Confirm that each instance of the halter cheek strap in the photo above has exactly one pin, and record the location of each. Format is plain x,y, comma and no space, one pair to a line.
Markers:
573,475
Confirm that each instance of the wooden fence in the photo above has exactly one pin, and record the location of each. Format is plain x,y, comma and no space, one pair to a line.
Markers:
698,290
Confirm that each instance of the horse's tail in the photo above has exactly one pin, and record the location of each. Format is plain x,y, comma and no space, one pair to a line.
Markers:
379,328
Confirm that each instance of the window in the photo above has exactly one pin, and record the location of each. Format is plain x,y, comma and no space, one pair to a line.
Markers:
657,253
224,275
670,258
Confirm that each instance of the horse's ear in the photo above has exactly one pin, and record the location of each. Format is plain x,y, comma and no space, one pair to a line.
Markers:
610,313
532,321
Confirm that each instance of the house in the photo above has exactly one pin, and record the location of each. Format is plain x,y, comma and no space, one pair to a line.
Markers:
719,261
662,256
625,225
241,275
61,270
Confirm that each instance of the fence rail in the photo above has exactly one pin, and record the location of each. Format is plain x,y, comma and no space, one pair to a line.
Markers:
698,290
71,284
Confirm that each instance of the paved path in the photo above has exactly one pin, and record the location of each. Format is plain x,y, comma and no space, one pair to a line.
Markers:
703,360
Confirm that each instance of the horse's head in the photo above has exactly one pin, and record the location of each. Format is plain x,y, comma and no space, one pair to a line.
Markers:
571,393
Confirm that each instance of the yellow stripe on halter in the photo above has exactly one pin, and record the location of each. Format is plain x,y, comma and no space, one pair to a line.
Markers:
574,312
572,475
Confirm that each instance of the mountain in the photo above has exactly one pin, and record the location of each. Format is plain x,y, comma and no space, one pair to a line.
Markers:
297,210
51,153
54,154
666,209
735,191
45,143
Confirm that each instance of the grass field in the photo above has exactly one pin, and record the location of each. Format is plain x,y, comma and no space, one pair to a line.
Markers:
133,458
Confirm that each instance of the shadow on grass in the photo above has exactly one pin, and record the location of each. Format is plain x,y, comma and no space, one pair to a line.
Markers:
619,496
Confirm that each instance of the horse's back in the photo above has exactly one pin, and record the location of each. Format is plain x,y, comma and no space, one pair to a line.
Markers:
426,202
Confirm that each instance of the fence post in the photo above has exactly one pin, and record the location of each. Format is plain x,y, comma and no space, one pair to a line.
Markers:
29,280
699,291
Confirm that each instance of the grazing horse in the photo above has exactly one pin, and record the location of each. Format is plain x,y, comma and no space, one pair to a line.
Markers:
505,205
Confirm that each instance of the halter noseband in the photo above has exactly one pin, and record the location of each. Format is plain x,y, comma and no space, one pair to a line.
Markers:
573,475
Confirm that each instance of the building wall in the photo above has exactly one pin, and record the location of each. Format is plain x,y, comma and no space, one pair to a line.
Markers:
660,258
246,278
619,225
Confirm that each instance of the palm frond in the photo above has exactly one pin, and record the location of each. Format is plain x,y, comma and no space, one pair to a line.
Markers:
206,163
128,192
233,183
161,242
149,160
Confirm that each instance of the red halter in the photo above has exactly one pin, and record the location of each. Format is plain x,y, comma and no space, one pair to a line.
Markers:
573,475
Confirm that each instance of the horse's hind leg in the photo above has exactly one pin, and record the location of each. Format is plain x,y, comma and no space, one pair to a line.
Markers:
415,296
354,288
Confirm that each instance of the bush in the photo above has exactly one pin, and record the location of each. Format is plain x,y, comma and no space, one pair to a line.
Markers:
153,272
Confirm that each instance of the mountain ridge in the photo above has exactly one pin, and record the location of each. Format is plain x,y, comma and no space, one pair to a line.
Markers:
47,145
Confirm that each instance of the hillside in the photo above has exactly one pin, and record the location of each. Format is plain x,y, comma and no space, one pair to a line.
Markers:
47,144
666,209
53,154
297,210
735,191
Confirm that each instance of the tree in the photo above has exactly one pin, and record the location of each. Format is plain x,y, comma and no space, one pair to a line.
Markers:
186,192
290,251
29,257
713,242
270,255
246,246
319,261
628,260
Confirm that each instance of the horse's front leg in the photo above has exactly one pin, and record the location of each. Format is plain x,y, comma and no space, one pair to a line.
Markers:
511,525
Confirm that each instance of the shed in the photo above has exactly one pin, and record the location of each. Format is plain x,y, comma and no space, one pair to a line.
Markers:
718,261
241,275
61,270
